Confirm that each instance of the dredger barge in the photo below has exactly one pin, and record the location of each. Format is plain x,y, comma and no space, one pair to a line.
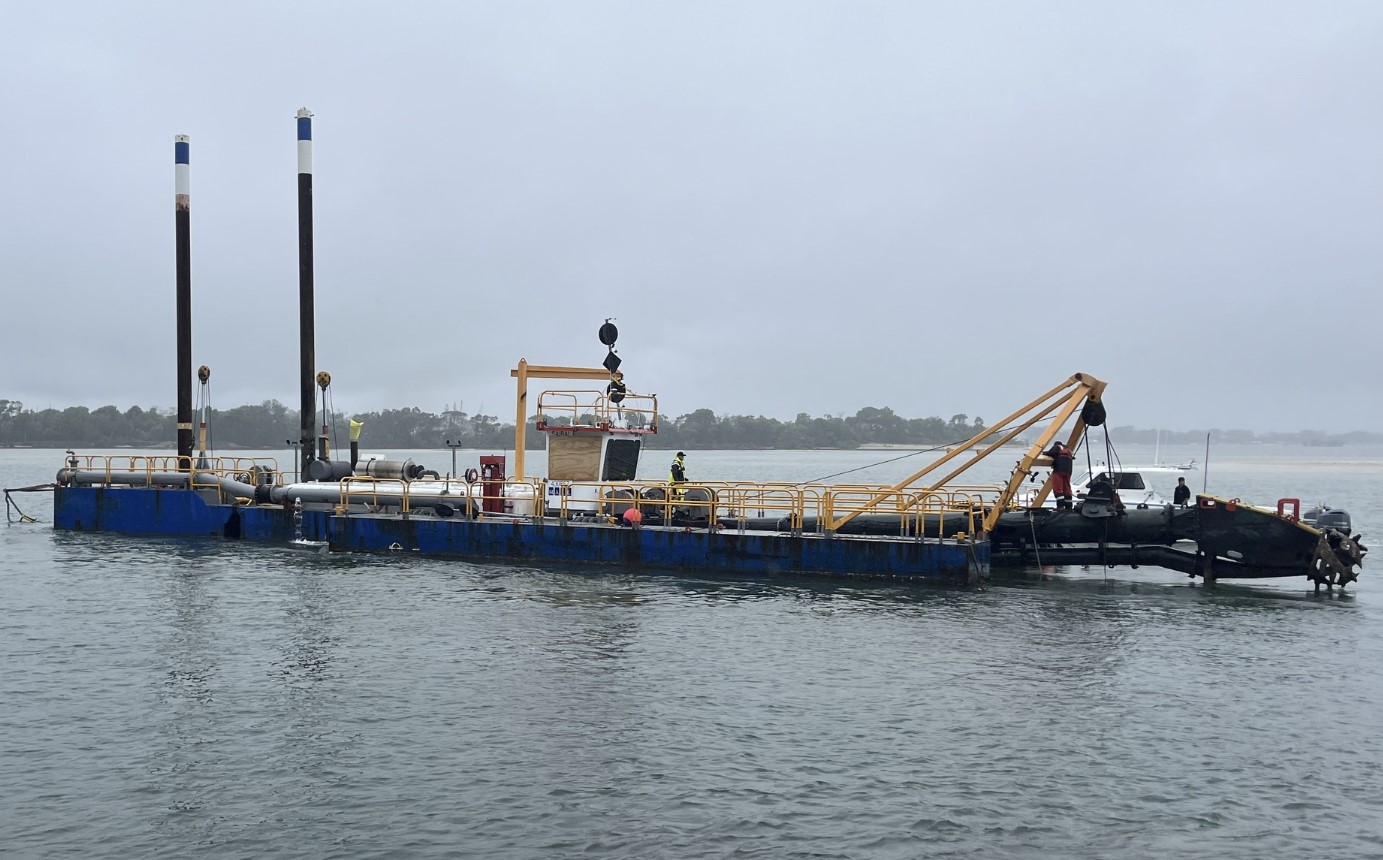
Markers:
929,526
941,531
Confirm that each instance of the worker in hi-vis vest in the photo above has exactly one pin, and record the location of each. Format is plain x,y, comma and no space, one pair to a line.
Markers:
677,473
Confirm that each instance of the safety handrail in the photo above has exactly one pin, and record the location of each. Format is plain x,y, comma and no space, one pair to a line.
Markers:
919,512
247,470
590,410
378,492
109,464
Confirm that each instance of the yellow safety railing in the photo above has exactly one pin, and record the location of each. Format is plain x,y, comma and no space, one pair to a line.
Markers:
801,507
468,498
816,507
690,501
247,470
940,513
144,463
592,410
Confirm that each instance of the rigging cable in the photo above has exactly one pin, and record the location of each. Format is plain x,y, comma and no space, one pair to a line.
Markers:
942,447
1111,457
329,397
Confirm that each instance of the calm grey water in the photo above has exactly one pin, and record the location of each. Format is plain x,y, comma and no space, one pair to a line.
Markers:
170,699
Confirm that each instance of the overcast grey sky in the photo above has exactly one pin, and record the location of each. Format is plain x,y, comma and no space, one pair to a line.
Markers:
787,206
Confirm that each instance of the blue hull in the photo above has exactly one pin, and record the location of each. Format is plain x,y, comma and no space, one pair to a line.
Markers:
178,512
171,512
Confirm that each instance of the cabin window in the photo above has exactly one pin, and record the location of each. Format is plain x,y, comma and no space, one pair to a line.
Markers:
621,459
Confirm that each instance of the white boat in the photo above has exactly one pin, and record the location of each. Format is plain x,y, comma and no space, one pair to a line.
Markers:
1138,486
1188,466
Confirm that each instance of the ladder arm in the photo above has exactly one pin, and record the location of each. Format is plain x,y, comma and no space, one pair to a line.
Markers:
1064,399
1089,388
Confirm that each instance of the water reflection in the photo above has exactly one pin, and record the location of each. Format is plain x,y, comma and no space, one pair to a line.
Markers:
306,634
311,739
189,648
1169,585
186,759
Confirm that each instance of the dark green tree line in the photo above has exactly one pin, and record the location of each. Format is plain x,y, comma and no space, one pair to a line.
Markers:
269,425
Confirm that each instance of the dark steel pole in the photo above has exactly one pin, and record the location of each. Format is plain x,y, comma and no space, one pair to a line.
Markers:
306,336
182,221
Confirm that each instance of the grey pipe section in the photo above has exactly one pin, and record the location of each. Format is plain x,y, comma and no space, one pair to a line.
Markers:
236,488
284,495
92,477
376,468
289,493
96,477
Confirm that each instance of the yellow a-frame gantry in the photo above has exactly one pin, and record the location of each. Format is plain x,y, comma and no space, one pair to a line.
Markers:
525,372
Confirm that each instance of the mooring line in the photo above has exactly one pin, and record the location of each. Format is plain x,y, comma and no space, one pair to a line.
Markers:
10,503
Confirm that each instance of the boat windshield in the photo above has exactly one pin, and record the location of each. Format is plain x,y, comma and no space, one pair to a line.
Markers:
1122,480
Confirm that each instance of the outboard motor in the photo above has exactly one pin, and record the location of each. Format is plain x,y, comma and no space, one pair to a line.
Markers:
1325,518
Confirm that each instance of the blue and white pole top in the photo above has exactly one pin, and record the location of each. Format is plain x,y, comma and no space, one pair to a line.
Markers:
181,183
304,140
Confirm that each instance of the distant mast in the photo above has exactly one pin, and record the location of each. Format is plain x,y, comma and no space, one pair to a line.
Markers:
306,338
182,198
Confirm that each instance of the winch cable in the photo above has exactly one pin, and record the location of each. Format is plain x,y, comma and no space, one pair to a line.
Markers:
932,450
872,465
1032,524
1111,457
329,407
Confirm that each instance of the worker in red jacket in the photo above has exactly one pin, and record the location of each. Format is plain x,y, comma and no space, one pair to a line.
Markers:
1063,461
